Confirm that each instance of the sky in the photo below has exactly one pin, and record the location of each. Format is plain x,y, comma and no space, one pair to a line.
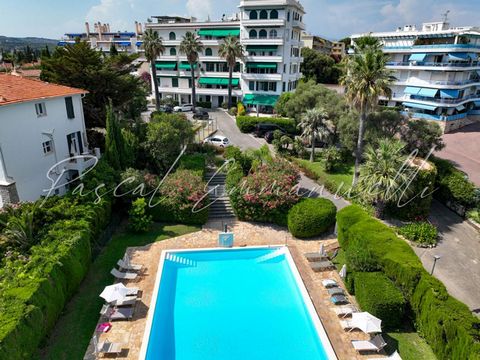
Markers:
333,19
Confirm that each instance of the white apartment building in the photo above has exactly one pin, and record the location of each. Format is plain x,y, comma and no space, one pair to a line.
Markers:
102,38
270,32
437,72
41,125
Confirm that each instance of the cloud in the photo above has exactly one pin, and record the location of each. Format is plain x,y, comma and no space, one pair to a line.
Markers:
200,9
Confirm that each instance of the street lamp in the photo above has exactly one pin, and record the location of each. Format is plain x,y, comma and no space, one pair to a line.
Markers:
435,258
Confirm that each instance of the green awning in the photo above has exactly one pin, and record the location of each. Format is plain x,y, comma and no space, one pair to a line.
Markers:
260,48
167,65
184,65
256,99
219,32
217,81
261,65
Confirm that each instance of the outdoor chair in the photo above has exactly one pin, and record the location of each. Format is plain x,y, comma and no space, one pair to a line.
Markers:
376,344
346,324
345,310
123,313
127,301
322,266
394,356
123,276
339,300
329,283
336,291
107,347
123,265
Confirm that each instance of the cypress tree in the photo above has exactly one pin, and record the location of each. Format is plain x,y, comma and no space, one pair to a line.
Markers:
112,154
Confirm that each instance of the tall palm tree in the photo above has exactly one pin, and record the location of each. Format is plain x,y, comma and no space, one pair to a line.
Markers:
153,45
366,78
191,46
231,50
314,125
381,180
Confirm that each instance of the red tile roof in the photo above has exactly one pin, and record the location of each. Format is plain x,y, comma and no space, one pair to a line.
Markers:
17,89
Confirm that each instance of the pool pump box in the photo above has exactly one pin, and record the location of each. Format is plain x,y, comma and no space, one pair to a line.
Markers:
225,239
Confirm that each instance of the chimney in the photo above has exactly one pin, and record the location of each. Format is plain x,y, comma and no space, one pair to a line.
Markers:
140,28
87,28
136,28
99,30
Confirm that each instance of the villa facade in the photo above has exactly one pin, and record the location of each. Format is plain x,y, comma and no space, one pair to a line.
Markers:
437,71
270,32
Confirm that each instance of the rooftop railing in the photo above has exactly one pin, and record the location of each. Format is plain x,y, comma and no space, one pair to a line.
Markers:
433,64
433,46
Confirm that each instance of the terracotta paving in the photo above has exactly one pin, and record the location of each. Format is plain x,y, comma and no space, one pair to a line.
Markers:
130,333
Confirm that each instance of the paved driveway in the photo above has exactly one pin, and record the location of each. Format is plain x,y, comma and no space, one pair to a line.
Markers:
463,148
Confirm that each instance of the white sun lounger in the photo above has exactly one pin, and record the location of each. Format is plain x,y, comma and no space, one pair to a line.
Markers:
127,266
329,283
376,344
127,301
123,313
123,276
107,347
346,324
394,356
345,310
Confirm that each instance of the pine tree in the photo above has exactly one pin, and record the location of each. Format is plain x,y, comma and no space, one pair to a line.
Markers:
112,155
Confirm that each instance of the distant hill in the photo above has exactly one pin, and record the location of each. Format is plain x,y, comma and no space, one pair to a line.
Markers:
11,43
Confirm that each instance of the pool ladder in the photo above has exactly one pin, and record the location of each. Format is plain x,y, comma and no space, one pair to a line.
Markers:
181,260
272,255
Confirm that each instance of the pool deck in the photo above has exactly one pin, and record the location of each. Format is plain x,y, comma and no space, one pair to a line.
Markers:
130,333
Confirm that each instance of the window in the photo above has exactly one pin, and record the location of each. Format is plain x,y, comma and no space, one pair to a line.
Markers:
262,34
174,82
69,106
251,85
273,34
288,16
274,14
253,15
208,52
47,147
173,52
172,36
252,34
75,144
263,14
41,109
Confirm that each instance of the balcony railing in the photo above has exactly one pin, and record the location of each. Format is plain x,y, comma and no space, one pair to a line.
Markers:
444,101
426,83
432,64
434,46
435,117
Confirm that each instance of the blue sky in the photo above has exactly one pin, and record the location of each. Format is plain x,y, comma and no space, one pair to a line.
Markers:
330,18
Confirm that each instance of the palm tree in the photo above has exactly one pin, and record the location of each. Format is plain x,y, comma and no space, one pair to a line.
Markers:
231,50
382,180
366,78
314,125
191,46
153,45
20,229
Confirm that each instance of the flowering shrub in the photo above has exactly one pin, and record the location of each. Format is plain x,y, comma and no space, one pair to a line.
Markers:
267,194
423,234
182,196
139,221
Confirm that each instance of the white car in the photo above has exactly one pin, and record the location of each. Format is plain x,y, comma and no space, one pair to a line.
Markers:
183,108
217,140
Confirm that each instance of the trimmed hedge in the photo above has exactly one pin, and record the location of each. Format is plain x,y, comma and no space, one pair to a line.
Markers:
376,294
447,324
247,124
166,214
195,162
311,217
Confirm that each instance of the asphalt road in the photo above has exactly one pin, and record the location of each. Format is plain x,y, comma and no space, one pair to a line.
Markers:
459,246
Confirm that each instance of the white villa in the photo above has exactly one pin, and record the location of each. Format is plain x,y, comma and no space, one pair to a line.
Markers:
437,72
41,125
270,32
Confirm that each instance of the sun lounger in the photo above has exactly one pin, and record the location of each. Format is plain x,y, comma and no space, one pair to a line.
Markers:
329,283
127,266
336,291
122,275
339,300
346,324
316,256
128,301
322,266
345,310
107,347
394,356
376,344
123,313
133,291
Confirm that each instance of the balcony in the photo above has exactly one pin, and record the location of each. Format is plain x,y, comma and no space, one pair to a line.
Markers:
434,65
440,84
263,41
263,23
171,42
419,115
262,77
442,100
199,90
430,48
263,59
298,24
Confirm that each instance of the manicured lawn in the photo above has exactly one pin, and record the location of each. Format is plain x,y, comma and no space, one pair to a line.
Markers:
338,179
75,328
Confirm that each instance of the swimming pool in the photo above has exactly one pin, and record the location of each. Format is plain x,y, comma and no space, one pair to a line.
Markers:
232,304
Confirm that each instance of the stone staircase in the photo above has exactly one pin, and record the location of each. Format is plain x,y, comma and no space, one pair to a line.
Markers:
220,207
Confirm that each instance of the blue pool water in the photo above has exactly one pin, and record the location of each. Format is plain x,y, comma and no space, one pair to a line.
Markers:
231,305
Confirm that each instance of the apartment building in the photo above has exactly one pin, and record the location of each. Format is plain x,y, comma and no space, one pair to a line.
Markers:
102,38
317,43
338,49
270,32
42,138
437,72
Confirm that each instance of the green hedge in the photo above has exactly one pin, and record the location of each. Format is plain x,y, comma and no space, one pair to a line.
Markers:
204,104
165,213
33,294
247,124
376,294
448,325
311,217
194,162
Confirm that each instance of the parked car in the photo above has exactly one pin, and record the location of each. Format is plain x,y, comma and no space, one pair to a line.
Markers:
201,114
263,128
217,140
269,135
166,109
183,108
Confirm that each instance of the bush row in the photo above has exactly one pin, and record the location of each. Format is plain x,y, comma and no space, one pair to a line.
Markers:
447,324
33,291
247,124
311,217
376,294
